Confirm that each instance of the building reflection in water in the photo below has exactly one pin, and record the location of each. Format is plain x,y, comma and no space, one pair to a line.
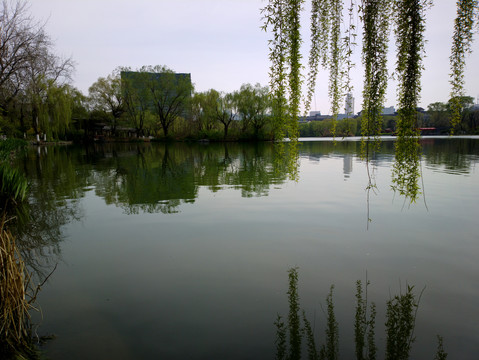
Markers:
347,165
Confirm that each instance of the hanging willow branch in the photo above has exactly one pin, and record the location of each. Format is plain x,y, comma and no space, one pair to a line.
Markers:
283,17
349,42
320,26
467,12
293,9
375,15
410,26
274,19
336,59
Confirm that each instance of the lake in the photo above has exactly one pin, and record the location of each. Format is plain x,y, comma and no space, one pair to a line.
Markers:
181,251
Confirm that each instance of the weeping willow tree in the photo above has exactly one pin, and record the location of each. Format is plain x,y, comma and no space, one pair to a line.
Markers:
52,106
57,111
332,49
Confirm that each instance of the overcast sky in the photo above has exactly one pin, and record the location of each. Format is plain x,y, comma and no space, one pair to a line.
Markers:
218,41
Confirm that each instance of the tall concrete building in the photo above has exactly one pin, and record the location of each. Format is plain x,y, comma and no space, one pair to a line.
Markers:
349,105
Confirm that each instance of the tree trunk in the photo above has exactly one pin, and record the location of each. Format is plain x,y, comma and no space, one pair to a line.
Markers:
226,130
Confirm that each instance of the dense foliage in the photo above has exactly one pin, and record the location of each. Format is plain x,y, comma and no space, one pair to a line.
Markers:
407,18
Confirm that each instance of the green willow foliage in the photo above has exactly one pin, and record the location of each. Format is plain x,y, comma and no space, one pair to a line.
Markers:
467,13
336,60
375,15
319,44
409,31
349,42
333,49
283,17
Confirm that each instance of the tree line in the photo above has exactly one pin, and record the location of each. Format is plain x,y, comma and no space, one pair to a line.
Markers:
437,117
155,101
37,99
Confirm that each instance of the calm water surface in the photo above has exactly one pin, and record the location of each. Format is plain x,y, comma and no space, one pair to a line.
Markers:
181,251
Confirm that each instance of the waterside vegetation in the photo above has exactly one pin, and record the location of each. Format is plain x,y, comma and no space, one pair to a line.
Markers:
17,293
296,336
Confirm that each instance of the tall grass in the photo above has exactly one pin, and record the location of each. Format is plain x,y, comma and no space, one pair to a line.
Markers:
9,147
16,293
14,306
400,324
13,185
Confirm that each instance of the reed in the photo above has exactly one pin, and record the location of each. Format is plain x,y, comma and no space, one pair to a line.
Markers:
15,334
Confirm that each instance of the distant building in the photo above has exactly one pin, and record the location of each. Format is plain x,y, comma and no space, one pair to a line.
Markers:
313,116
475,107
349,105
388,111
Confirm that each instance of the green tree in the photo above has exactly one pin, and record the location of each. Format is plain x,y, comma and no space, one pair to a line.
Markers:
203,110
136,98
58,110
439,114
105,95
253,107
226,110
170,94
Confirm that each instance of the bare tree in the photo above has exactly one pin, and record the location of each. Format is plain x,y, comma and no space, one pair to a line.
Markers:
20,39
27,63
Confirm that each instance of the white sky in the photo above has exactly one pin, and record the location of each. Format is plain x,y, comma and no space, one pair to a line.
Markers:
218,41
